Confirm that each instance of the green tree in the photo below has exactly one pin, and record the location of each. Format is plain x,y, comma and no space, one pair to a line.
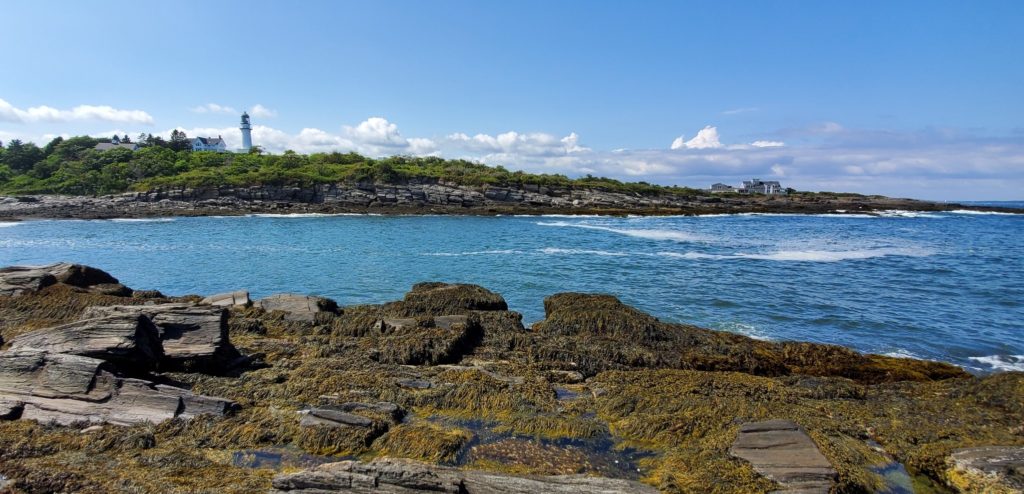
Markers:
20,156
179,141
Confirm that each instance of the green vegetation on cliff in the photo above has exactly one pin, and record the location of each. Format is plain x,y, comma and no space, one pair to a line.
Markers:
73,166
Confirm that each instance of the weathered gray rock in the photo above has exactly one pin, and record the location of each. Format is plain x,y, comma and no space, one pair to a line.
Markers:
229,299
346,414
16,280
297,307
996,469
60,388
127,338
10,409
186,332
414,383
398,476
781,451
332,418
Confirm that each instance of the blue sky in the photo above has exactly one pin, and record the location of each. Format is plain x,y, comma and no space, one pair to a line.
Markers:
919,99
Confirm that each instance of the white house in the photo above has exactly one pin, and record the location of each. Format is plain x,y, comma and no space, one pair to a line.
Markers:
209,144
758,186
755,186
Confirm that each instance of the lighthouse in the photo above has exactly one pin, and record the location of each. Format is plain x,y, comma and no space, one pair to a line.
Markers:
246,133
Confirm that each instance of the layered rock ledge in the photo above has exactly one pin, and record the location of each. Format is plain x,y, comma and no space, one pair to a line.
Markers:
435,197
104,388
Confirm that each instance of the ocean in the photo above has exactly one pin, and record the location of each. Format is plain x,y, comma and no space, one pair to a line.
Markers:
941,286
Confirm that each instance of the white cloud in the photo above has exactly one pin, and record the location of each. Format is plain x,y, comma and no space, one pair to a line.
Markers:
212,108
706,138
522,144
374,137
260,111
35,114
768,144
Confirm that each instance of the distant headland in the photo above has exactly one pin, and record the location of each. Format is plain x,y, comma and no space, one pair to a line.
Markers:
86,177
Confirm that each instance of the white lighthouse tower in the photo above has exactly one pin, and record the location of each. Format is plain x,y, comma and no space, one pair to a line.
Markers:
246,133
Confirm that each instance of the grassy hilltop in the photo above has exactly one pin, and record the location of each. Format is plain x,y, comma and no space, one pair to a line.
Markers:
73,166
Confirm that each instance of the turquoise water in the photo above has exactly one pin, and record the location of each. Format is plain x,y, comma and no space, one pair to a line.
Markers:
944,286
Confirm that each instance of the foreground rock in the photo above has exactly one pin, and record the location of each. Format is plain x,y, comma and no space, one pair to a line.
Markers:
297,307
397,476
992,469
598,332
188,334
126,337
783,452
48,387
238,298
16,280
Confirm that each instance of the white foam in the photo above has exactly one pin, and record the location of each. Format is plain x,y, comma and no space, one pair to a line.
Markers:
142,220
806,255
901,353
304,215
474,253
967,211
899,213
1002,362
556,216
653,234
6,224
843,215
747,330
555,250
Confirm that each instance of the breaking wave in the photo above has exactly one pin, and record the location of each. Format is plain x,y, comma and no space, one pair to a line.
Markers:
967,211
142,220
305,215
806,255
474,253
555,250
1001,362
674,235
899,213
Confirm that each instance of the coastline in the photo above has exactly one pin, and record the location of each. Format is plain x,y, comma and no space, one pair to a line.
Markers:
284,391
443,199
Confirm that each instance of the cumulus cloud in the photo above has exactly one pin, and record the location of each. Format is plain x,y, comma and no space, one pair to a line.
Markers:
260,111
526,144
706,138
374,137
9,113
212,108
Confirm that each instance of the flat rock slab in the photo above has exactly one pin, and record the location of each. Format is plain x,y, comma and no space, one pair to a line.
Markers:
297,307
994,469
229,299
126,338
186,332
781,451
332,418
59,388
16,280
394,476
